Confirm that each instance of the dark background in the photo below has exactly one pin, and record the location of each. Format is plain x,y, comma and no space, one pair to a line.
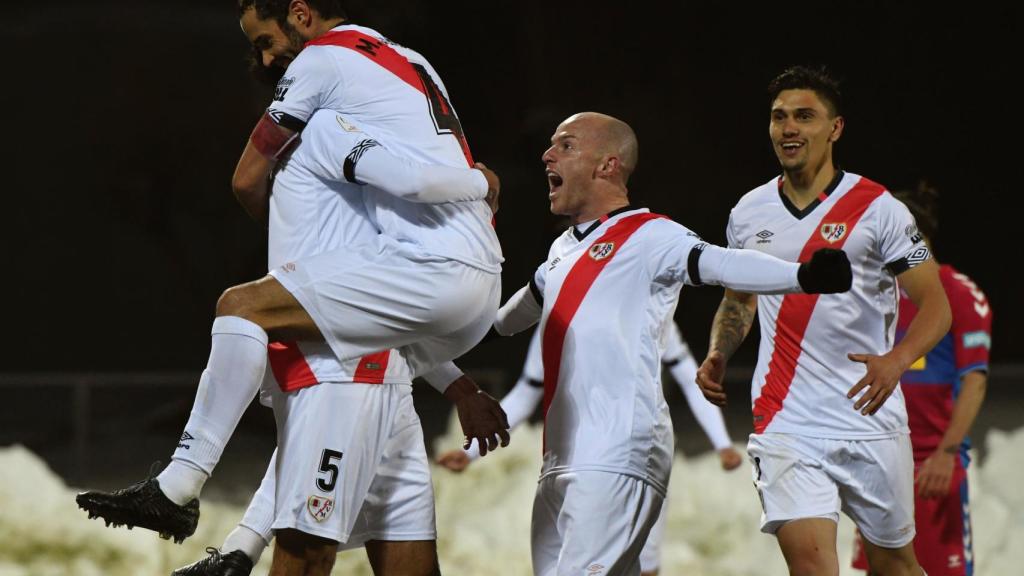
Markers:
124,120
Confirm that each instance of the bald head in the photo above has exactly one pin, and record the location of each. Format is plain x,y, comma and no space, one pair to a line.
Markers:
609,136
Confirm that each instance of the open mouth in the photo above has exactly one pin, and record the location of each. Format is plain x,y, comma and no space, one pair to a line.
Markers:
790,148
554,181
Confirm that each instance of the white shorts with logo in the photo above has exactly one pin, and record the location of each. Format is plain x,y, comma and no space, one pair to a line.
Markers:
871,481
589,523
382,295
351,464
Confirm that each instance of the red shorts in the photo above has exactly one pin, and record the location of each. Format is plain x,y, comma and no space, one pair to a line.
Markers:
943,541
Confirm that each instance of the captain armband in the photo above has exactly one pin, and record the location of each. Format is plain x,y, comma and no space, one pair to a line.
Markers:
272,140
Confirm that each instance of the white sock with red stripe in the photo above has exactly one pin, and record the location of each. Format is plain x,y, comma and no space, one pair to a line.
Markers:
238,359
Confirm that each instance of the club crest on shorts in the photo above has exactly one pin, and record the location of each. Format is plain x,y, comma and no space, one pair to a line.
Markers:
601,251
320,508
833,232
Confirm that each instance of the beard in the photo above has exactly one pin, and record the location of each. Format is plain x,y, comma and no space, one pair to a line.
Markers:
270,75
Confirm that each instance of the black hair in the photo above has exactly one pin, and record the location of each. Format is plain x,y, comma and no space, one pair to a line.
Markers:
923,204
278,9
806,78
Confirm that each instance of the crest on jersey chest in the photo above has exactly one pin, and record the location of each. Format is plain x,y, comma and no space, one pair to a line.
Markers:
833,232
601,250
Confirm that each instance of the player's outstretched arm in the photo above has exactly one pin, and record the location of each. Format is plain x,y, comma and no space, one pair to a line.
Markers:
480,415
827,272
930,324
340,152
732,322
519,312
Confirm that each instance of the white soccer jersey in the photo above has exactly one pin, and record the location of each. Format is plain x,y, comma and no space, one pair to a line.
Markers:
606,296
803,374
309,215
674,348
393,93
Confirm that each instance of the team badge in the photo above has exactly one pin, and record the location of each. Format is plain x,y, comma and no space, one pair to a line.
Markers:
320,508
601,251
833,231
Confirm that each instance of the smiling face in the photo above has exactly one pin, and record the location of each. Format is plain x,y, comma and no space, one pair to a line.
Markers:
570,164
276,45
802,130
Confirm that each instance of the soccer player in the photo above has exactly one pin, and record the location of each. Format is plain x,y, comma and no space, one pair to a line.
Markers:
524,397
428,285
602,298
944,391
830,426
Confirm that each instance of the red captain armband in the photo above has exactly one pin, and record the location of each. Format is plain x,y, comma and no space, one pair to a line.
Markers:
271,140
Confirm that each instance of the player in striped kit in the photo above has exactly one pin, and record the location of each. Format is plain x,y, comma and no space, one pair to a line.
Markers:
830,425
526,395
944,391
603,297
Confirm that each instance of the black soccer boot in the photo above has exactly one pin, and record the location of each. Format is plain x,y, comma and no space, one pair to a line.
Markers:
234,563
143,505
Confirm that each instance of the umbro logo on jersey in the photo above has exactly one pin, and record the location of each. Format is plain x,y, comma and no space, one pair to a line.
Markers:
833,232
918,256
319,507
601,251
763,236
594,569
553,264
185,437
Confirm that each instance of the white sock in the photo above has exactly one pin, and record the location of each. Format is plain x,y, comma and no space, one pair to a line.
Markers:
249,542
238,359
181,482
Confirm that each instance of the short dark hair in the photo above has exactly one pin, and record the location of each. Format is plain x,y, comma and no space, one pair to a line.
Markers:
923,204
278,9
806,78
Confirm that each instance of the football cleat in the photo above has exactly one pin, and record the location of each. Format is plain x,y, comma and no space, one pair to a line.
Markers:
143,505
234,563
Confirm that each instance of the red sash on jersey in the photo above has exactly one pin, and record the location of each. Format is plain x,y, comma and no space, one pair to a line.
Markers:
795,311
292,372
574,289
389,58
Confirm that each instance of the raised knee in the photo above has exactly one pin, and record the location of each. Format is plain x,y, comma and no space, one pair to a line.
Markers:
234,302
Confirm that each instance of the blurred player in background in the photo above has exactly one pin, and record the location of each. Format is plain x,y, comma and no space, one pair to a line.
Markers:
524,398
830,426
944,391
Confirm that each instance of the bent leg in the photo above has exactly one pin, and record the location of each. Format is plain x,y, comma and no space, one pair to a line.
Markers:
410,558
809,546
299,554
892,561
266,303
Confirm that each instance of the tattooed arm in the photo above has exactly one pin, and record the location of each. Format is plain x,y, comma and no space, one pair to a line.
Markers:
732,322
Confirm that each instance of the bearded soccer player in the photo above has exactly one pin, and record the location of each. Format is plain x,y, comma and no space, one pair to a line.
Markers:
428,285
830,424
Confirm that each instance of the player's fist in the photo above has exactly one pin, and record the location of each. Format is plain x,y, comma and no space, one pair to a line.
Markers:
827,272
493,186
454,460
729,458
711,377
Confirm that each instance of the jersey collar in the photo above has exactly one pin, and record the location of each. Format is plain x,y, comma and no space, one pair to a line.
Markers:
798,213
580,231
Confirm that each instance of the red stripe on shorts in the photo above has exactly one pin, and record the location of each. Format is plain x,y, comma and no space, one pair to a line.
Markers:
795,311
574,289
289,366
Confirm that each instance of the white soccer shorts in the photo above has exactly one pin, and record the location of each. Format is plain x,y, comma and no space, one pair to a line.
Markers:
871,481
383,295
591,523
650,555
351,464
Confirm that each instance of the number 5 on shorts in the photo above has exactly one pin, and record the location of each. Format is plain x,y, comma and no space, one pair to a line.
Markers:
328,466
